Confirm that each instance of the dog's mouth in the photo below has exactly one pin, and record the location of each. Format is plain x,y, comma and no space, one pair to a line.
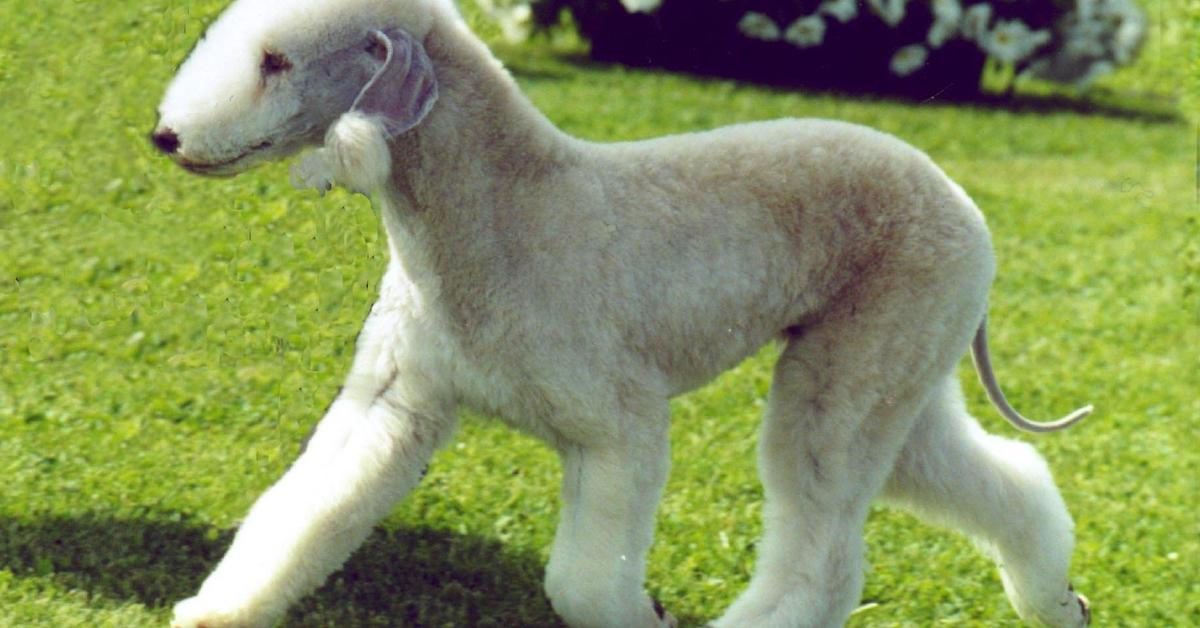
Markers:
225,167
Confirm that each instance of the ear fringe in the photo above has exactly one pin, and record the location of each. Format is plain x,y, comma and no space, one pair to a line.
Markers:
355,155
357,149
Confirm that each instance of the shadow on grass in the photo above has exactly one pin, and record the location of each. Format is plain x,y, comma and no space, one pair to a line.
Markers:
400,577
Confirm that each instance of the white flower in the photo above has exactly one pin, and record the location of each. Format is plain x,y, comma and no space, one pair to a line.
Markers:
890,11
515,22
947,10
1084,38
806,31
940,33
975,21
946,15
909,59
1012,41
1096,37
640,6
843,10
758,26
515,17
1103,29
1118,10
1128,38
1085,9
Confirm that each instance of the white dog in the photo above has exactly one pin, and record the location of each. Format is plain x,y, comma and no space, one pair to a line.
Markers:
572,288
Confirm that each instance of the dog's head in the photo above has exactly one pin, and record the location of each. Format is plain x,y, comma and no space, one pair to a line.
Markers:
270,77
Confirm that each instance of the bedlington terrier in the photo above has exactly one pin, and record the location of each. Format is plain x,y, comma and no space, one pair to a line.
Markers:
572,288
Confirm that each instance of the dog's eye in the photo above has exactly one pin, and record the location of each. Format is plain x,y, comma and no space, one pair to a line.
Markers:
274,63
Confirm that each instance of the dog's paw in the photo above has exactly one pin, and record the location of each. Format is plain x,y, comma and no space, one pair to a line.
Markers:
195,612
1070,610
1085,607
666,620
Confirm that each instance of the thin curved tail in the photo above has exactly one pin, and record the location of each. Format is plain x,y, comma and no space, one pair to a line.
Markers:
983,366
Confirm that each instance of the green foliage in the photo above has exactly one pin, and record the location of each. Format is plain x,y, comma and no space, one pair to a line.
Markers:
166,341
914,48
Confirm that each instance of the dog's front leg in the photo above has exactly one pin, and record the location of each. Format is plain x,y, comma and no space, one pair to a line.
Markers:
610,494
367,452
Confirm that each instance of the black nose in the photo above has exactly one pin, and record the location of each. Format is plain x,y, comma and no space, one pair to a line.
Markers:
166,140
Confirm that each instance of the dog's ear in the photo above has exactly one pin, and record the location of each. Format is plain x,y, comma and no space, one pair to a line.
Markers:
404,88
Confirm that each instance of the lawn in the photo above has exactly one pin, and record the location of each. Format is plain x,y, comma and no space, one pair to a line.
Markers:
166,341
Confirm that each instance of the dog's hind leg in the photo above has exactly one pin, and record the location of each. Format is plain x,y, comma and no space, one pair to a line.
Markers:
837,418
847,390
1001,493
367,452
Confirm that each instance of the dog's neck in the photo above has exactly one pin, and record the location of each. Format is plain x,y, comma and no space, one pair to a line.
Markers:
482,147
482,132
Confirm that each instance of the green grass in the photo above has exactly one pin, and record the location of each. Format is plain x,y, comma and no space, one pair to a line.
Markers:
166,341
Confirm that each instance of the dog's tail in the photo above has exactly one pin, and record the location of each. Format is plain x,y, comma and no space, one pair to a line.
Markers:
983,366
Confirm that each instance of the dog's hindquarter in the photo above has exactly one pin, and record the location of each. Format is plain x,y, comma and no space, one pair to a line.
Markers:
731,241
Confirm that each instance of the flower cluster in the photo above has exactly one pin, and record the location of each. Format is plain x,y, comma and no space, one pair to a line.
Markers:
1068,41
1094,38
514,16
